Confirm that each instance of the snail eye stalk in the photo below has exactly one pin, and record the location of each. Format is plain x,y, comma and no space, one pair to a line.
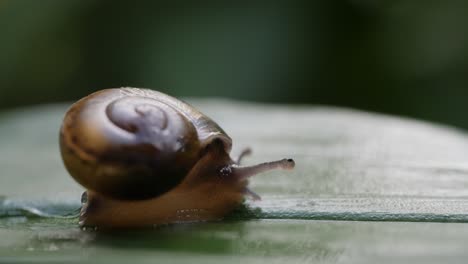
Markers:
243,172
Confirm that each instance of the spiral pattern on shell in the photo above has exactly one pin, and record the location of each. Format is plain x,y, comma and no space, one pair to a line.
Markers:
134,143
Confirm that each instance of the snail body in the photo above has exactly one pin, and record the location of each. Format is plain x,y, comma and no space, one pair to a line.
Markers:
147,158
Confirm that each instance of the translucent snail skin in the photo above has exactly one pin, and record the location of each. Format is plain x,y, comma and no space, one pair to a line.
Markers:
148,159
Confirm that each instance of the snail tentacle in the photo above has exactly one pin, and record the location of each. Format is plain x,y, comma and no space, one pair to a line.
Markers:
244,172
245,152
252,194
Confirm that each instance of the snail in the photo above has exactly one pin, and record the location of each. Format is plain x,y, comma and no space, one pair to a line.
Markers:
146,158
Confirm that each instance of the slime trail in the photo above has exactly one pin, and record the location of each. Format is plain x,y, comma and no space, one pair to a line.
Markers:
351,208
42,208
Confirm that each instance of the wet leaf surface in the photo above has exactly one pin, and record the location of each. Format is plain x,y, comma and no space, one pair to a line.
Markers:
367,188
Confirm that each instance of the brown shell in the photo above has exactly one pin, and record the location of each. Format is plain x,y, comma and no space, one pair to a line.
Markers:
132,143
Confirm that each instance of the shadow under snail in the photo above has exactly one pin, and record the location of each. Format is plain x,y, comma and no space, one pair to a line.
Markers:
146,158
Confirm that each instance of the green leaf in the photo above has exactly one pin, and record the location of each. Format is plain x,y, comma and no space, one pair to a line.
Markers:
351,168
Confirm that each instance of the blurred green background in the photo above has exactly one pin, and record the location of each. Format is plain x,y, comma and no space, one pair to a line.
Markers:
401,57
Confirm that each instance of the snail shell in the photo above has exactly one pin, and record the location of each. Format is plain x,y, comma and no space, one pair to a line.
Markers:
132,143
144,157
